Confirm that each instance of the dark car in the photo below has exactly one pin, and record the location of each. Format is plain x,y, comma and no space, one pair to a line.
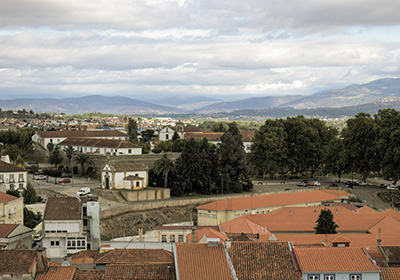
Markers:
66,180
383,186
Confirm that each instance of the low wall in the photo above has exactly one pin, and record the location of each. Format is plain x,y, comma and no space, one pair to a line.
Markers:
146,195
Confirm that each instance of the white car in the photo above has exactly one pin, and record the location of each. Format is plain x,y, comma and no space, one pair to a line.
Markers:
316,183
83,191
39,177
37,237
392,187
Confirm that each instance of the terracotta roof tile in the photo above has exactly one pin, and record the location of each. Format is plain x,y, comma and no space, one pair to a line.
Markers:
135,256
17,261
263,260
386,225
98,143
4,198
87,256
58,272
377,256
90,274
129,166
81,133
209,233
242,225
62,208
200,261
161,271
6,229
337,192
365,210
270,200
6,167
334,260
390,273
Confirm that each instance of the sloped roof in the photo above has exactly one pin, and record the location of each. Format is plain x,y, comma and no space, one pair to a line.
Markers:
135,256
17,261
62,208
334,260
248,136
243,225
340,239
337,192
81,133
98,143
128,166
392,213
161,271
199,261
393,253
57,272
386,225
4,198
87,256
210,136
7,167
390,273
90,274
271,200
263,260
209,233
6,229
365,210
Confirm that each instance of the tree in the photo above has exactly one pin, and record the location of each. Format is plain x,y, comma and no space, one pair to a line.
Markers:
175,136
13,192
31,220
30,195
56,157
50,147
82,159
164,166
69,151
13,152
233,162
334,157
20,162
359,141
132,130
147,135
325,223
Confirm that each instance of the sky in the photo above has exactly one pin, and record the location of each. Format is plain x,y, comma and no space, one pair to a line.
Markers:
232,49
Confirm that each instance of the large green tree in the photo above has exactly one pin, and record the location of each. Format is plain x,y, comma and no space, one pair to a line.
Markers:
56,157
132,130
30,195
163,167
13,152
82,159
325,223
31,220
69,151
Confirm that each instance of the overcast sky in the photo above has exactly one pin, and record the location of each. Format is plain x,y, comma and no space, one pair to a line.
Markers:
222,48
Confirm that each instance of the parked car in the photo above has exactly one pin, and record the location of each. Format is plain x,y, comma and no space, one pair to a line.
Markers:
392,187
37,237
302,183
316,183
333,185
39,177
383,186
65,180
348,187
363,184
83,191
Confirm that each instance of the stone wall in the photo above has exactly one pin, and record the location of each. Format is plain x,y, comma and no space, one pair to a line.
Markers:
146,195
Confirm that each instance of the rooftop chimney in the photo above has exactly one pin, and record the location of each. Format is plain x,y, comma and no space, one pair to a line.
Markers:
194,234
42,261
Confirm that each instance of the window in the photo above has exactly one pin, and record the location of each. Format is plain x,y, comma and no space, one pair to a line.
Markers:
21,187
129,151
21,177
12,187
172,238
1,178
313,277
54,243
137,184
85,222
11,177
209,215
330,277
163,238
200,215
180,238
214,216
355,277
166,136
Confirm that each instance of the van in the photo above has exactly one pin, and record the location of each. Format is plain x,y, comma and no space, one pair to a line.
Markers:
83,191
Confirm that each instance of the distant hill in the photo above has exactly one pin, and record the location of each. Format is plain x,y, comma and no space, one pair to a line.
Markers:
178,100
85,104
249,104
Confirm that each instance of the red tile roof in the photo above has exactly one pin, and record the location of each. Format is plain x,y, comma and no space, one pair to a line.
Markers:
6,167
200,261
63,208
390,273
98,143
209,233
128,166
159,271
81,133
17,261
90,274
243,225
4,198
135,256
271,200
334,260
263,260
6,229
58,272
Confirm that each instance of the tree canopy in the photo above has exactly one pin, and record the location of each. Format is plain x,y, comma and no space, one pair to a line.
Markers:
325,223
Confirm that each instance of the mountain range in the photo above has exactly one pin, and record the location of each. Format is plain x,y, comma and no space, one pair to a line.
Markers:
370,97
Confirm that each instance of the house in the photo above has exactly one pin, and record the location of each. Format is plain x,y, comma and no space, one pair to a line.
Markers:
203,261
159,271
58,272
390,273
12,234
115,147
70,226
119,175
12,177
43,138
172,233
336,263
263,260
22,264
221,211
205,234
11,209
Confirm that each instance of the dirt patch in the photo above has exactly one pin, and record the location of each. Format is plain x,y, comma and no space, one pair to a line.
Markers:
128,224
